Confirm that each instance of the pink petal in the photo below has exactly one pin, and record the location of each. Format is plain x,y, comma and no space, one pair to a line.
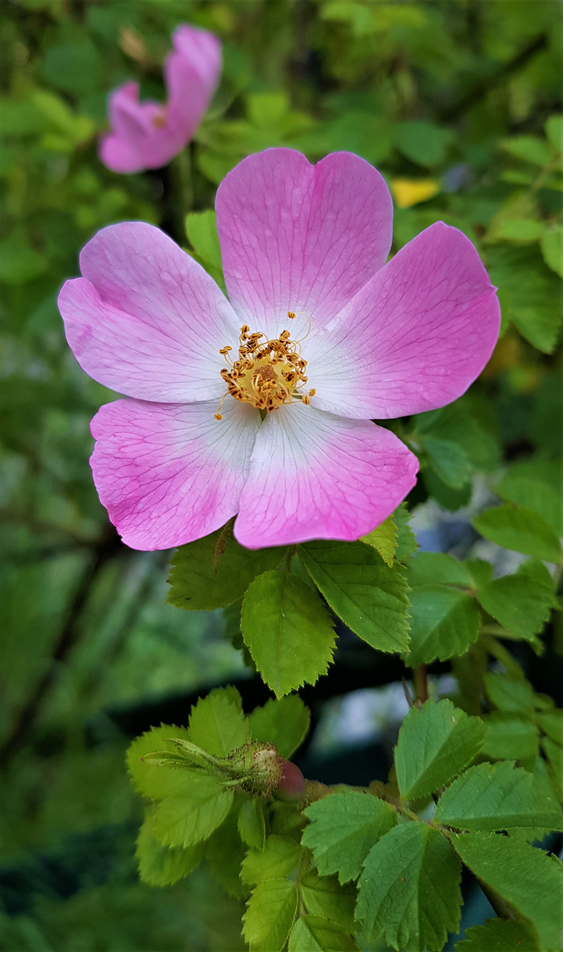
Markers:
316,476
138,139
192,74
297,237
414,338
146,319
169,473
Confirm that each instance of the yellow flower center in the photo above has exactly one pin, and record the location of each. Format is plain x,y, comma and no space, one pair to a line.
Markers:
266,373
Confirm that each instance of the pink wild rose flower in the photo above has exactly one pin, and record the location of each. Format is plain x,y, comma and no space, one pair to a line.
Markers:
148,135
261,406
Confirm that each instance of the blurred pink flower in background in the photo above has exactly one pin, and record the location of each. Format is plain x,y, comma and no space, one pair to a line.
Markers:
148,135
232,411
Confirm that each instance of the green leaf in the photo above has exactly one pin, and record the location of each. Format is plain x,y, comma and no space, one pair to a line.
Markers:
449,461
283,721
158,865
520,529
510,736
325,897
195,584
521,486
251,823
407,543
553,129
384,540
551,723
495,936
444,495
279,856
422,142
435,743
520,230
225,851
366,594
530,148
509,693
521,602
217,724
343,829
493,797
553,751
287,630
444,622
312,933
270,915
437,568
187,818
409,891
156,782
524,876
551,247
201,228
530,294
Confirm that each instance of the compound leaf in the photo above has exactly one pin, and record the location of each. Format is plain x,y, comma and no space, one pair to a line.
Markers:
521,602
191,816
444,622
217,724
279,856
520,529
312,933
270,914
496,936
384,540
283,721
159,865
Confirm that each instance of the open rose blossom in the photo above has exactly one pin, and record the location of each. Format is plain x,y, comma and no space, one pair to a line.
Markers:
261,406
148,135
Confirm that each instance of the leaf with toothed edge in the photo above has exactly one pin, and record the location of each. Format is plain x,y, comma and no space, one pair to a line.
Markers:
288,631
366,594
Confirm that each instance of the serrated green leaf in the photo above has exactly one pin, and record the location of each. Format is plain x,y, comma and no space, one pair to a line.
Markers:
148,779
195,584
251,825
326,897
279,856
270,914
444,622
409,891
384,540
159,865
509,693
407,542
283,721
191,816
520,529
225,851
423,142
365,593
287,630
435,743
510,736
217,724
312,933
495,936
343,829
520,486
434,568
449,461
551,247
521,602
524,876
494,797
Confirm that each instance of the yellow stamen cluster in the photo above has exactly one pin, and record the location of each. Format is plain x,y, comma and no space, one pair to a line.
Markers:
266,373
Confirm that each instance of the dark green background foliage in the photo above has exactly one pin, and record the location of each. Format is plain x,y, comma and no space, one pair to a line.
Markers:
457,103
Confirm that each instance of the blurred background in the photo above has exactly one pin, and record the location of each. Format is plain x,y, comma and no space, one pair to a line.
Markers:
457,104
